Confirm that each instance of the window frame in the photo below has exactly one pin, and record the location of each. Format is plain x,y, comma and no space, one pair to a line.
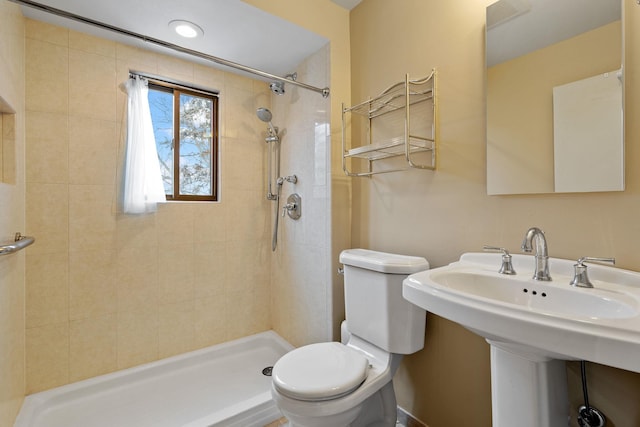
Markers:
176,90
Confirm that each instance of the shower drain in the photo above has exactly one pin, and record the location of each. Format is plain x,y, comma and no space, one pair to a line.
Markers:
267,371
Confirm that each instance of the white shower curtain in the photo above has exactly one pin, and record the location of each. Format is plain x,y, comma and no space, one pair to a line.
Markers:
143,186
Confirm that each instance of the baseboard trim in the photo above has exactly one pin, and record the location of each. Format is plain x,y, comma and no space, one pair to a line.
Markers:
408,420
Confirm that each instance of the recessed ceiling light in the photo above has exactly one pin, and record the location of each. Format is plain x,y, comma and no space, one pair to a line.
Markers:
186,29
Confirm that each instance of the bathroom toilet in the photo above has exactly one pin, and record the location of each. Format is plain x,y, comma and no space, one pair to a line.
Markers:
343,384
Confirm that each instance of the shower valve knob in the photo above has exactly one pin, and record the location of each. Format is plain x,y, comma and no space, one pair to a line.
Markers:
293,206
288,208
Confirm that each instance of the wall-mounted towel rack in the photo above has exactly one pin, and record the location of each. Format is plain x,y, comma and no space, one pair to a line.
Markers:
399,122
19,242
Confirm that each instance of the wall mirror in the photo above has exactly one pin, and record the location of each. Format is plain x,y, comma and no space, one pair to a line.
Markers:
555,117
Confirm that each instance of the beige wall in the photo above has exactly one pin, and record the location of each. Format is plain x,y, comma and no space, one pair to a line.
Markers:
12,267
524,112
444,213
107,291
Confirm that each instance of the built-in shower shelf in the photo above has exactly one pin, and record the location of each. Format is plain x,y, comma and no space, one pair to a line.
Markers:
398,122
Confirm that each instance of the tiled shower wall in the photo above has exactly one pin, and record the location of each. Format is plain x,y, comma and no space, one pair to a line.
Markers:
106,291
12,213
300,271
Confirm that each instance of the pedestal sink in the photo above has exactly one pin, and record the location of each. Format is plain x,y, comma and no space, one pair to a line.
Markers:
533,327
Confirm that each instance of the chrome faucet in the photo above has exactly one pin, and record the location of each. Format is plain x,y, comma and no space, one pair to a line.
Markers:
536,235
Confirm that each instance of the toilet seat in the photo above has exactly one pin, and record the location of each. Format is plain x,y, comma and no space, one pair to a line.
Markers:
320,371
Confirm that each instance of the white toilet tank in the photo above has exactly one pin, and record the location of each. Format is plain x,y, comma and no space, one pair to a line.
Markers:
375,308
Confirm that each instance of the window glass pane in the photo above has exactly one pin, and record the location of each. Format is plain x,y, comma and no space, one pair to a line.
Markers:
161,105
195,145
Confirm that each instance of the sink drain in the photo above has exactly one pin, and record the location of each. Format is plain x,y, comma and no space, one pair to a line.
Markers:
267,371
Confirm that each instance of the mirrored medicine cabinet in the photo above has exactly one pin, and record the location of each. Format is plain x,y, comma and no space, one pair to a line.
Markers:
555,116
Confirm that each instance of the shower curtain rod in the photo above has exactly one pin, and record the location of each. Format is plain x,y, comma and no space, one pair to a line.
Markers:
58,12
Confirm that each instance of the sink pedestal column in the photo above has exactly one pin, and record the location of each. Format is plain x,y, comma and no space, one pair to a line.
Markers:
527,389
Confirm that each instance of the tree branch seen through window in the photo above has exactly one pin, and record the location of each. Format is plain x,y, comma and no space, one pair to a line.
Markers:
186,132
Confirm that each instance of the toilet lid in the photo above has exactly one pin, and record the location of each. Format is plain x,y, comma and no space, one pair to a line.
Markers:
320,371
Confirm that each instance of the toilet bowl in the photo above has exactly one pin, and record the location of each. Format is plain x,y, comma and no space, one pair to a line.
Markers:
350,383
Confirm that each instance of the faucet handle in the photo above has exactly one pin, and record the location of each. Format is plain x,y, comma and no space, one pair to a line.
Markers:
580,277
507,267
582,260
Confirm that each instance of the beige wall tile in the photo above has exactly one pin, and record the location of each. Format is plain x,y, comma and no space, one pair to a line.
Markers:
12,213
8,167
248,215
92,287
92,44
261,310
175,273
239,115
137,279
45,125
177,331
47,357
47,71
174,223
210,270
210,222
39,30
175,68
48,217
92,347
247,164
2,137
47,95
12,341
137,337
240,307
136,231
92,220
47,150
47,289
92,151
208,77
247,265
239,82
210,320
48,160
93,90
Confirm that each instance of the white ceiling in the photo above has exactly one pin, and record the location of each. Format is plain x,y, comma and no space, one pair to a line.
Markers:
233,30
544,22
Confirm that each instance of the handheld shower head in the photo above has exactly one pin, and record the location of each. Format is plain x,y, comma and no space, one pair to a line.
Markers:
265,115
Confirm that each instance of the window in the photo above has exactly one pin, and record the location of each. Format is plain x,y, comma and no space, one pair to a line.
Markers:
185,126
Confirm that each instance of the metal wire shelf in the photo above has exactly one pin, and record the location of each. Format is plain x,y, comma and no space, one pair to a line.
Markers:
414,127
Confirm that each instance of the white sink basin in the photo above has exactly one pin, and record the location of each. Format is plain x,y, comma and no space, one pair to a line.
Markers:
551,299
552,318
534,326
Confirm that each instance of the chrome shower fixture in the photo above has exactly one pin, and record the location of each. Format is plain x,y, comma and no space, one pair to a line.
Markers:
273,168
290,178
278,87
265,115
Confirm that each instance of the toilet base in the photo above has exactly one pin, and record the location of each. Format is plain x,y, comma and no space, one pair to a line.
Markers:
379,410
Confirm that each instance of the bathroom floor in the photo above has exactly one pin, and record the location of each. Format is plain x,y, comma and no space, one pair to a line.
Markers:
283,421
280,422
